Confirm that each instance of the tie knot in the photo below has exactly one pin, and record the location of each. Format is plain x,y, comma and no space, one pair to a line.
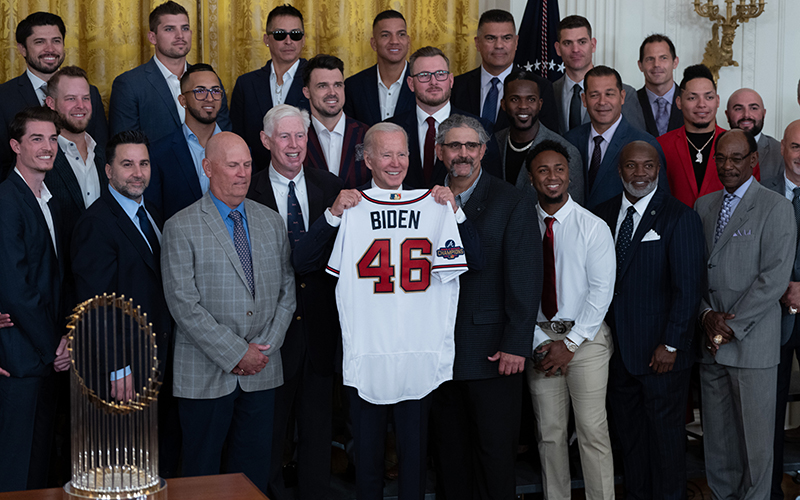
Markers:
141,212
729,197
235,215
549,221
662,103
291,186
631,211
597,140
796,192
431,121
494,81
577,89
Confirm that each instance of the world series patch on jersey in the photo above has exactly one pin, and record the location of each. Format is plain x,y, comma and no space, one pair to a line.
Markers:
398,256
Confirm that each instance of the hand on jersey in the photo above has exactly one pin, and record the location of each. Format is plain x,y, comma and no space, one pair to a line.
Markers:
253,361
558,357
442,195
509,363
348,198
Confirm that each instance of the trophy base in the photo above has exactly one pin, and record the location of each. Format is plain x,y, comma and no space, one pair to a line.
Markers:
159,492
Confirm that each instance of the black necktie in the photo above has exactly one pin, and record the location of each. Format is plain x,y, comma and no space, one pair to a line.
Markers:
594,166
624,237
575,105
149,232
294,217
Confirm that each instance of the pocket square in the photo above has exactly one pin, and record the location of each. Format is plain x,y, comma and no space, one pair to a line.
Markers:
743,232
651,235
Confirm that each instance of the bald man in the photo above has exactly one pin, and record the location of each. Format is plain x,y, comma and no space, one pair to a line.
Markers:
746,111
230,288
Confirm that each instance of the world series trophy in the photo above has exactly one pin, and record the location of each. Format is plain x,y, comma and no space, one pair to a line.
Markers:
114,413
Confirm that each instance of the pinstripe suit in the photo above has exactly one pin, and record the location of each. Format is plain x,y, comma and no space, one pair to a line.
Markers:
655,301
216,317
748,270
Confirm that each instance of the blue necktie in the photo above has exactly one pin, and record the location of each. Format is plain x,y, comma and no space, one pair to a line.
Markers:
243,249
149,232
490,104
294,217
624,237
662,118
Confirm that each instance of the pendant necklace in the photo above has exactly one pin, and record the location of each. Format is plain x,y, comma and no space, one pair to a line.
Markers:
699,157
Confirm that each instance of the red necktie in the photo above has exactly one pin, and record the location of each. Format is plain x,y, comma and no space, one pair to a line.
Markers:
549,298
430,137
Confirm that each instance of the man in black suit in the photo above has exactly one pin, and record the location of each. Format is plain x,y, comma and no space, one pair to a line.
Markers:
479,91
31,294
657,61
177,178
309,349
280,81
380,91
494,325
660,257
146,97
40,40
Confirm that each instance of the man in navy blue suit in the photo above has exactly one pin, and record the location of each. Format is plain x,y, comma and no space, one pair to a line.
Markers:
380,91
146,97
177,178
660,252
40,40
280,81
601,140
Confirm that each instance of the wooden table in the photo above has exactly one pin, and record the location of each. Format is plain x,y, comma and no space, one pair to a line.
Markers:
222,487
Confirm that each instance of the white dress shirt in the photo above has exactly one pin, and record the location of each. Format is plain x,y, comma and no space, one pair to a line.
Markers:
174,84
566,98
486,79
586,267
387,97
37,83
44,197
280,188
607,136
279,92
85,171
640,208
331,142
789,187
422,126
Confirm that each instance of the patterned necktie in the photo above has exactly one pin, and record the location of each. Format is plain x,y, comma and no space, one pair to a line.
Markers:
594,166
490,104
430,136
724,216
662,118
148,231
41,97
549,297
243,249
575,105
294,217
624,237
796,204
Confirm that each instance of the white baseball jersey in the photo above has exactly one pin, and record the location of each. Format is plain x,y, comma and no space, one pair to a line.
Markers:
398,256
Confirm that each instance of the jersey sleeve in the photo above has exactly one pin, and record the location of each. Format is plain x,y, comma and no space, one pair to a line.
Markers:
335,261
449,257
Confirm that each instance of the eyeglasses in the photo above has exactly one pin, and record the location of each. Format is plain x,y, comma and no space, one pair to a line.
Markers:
200,93
736,160
280,35
425,76
456,146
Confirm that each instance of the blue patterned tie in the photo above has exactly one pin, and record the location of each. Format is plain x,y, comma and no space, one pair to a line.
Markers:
242,248
490,104
294,217
662,118
624,237
148,231
724,216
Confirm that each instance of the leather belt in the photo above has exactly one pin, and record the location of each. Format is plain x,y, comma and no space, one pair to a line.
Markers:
558,327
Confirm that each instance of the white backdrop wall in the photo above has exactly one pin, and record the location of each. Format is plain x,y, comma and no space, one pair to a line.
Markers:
766,48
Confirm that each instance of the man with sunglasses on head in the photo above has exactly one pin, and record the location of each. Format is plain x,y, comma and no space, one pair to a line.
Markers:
177,178
280,81
147,98
431,82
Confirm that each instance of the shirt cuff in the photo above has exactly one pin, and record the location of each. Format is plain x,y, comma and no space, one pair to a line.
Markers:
460,216
331,219
670,348
576,337
120,373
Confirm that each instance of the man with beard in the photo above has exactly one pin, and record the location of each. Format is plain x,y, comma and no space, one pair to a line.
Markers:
657,61
687,149
522,103
335,141
40,40
431,81
660,249
746,111
178,179
571,344
147,98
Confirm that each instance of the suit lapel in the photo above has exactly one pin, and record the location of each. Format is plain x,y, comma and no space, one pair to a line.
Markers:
370,96
185,163
474,92
213,220
158,82
295,93
477,201
606,168
264,192
647,112
315,195
314,150
406,101
645,224
33,205
129,230
264,92
739,216
26,91
62,167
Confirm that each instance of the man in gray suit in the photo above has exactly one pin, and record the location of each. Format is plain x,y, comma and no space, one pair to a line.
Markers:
746,111
575,45
750,236
230,288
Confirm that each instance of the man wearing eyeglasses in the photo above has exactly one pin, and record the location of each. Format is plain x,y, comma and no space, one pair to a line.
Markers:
431,82
146,98
751,241
278,82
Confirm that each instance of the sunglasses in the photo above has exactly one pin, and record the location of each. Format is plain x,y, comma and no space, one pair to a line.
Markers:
280,35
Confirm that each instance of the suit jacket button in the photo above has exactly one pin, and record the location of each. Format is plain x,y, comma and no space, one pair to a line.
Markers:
302,285
249,313
299,318
711,266
711,290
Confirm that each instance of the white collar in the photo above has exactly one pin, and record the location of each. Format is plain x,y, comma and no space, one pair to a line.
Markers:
440,116
319,128
399,80
641,204
166,72
282,182
486,77
609,133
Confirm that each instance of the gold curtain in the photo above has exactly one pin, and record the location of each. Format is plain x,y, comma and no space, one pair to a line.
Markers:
108,37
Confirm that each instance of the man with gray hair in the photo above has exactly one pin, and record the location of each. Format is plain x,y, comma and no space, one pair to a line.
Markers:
300,195
494,324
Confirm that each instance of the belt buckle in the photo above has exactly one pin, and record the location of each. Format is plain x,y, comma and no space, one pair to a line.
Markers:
558,327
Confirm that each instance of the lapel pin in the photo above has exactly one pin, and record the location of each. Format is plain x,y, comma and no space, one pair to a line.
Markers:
652,212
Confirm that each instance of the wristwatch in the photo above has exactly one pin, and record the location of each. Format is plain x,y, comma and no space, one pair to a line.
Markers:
571,346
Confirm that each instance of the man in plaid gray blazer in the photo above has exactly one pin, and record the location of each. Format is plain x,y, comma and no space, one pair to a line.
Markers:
230,287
